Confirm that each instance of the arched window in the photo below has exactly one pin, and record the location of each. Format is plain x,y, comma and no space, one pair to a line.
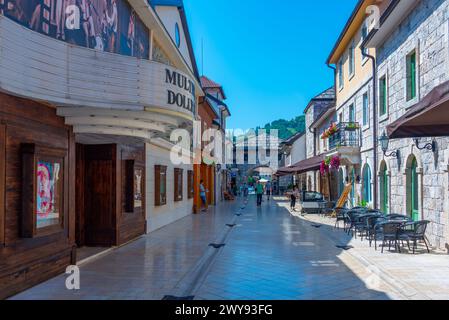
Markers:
367,184
384,188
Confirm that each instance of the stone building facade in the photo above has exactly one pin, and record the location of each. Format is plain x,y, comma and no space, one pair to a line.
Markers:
425,32
315,109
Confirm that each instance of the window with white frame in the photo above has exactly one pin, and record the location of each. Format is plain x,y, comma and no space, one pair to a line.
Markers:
352,59
340,74
365,108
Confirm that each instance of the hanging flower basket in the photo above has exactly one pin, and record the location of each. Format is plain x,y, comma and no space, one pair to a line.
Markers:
333,129
324,168
335,162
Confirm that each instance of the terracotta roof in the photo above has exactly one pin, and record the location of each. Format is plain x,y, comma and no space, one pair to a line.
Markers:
208,83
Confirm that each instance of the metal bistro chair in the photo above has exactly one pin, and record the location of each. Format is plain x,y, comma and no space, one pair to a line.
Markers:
341,216
362,225
387,232
352,219
415,231
373,223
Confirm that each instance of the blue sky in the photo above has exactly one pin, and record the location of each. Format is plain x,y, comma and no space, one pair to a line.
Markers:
269,55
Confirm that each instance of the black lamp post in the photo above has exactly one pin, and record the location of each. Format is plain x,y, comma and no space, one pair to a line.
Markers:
384,143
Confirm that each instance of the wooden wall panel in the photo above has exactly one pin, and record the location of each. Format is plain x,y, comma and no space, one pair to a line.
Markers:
132,221
26,262
2,182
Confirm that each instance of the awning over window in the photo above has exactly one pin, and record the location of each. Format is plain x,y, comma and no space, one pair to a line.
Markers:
428,118
307,165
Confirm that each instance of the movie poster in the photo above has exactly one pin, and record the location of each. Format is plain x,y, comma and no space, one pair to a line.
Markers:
104,25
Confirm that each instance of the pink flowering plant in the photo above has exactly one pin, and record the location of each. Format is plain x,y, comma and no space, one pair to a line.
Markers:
335,162
324,168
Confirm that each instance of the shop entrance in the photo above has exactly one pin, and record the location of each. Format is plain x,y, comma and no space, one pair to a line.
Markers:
110,196
95,192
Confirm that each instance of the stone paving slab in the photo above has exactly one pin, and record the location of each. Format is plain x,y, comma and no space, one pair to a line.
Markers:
276,256
146,269
269,254
420,276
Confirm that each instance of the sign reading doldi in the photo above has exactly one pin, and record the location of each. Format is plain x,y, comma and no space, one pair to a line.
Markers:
105,25
183,98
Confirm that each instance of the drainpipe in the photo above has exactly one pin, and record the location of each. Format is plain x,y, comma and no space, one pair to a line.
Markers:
374,62
335,89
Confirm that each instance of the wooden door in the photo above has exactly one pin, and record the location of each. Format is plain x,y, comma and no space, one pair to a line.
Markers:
100,216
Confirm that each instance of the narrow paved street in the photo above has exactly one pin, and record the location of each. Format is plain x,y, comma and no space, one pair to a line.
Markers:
268,254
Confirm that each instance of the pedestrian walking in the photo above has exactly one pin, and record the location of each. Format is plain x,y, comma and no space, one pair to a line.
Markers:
268,190
259,193
203,196
293,197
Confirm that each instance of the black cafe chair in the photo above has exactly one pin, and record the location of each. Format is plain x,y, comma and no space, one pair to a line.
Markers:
415,231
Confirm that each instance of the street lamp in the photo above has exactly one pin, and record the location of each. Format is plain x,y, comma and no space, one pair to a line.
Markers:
384,143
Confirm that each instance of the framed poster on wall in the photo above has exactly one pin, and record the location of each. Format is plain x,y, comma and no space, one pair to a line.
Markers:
42,190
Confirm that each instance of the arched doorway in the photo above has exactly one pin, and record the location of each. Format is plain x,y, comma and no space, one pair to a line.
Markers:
384,188
412,188
367,194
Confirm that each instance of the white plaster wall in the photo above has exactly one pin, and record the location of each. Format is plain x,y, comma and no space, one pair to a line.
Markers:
169,17
158,217
298,152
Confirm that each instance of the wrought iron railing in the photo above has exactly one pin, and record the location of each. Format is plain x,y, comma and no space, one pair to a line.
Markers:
347,135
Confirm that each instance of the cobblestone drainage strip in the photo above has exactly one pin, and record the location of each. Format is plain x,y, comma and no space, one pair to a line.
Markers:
217,246
173,298
346,248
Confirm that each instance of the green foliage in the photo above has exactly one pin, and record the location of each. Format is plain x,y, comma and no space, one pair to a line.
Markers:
287,128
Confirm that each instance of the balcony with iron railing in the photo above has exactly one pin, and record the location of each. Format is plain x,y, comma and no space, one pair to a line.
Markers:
345,141
347,135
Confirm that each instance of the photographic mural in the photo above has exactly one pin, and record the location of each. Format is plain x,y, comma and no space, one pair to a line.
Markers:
48,202
105,25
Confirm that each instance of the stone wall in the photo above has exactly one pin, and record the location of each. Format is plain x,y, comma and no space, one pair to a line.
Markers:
426,31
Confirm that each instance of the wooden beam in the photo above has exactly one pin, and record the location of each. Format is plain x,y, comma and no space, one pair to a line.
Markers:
2,182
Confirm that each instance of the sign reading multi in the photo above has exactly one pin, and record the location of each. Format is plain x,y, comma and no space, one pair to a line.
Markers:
186,97
105,25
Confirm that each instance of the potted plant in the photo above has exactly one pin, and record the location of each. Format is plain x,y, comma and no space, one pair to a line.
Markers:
352,126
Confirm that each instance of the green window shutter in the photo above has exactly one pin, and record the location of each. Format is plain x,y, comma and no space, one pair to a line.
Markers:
383,96
411,76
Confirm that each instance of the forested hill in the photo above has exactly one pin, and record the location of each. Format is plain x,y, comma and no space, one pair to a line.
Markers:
287,128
